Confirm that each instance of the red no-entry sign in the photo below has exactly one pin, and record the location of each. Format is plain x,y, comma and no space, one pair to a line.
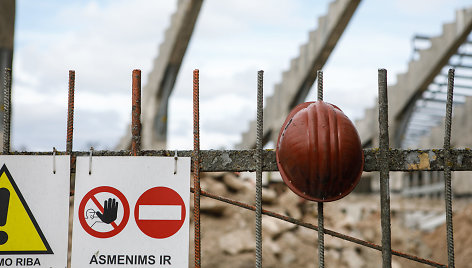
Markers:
160,212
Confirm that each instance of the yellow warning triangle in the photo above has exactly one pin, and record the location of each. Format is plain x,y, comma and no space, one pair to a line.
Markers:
19,231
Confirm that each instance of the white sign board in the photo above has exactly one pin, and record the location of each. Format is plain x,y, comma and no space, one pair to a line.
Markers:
131,212
34,210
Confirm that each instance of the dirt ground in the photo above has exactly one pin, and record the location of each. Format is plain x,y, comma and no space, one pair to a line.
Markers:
228,232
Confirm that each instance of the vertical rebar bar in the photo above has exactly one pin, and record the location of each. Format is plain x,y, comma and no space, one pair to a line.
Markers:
384,169
320,235
320,204
447,169
69,142
320,85
196,169
260,76
6,111
70,112
136,113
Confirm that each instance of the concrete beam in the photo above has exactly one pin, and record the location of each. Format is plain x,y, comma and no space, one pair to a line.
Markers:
420,74
162,77
298,80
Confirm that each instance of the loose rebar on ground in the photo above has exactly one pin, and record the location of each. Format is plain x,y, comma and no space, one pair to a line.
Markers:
384,170
447,169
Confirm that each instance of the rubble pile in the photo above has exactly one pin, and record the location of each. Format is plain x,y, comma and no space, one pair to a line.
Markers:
462,223
228,232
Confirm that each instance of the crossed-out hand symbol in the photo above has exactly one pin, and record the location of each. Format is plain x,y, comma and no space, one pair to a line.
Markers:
110,210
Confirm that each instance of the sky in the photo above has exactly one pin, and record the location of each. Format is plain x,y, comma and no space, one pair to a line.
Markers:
103,41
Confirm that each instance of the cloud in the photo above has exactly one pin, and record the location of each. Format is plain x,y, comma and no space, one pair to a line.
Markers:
233,39
103,42
38,127
101,129
425,7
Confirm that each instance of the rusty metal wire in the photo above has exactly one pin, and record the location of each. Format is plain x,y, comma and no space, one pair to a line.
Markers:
384,170
320,204
70,112
259,135
136,113
6,111
314,227
447,169
196,169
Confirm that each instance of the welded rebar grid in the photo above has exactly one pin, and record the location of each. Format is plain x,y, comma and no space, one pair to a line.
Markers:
384,170
259,136
383,160
447,169
320,204
196,169
6,111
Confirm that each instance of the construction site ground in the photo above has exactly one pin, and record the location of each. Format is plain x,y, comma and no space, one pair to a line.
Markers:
418,228
228,232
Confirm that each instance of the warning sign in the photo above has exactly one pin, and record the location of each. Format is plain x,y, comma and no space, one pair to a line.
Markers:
154,234
34,210
22,235
103,212
160,212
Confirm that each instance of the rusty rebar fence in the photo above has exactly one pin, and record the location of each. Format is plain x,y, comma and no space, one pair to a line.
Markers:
383,160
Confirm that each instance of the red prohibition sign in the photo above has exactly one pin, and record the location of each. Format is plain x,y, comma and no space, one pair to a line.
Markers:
91,196
160,212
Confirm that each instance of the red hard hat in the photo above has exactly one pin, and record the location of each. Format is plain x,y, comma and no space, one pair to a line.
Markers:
319,152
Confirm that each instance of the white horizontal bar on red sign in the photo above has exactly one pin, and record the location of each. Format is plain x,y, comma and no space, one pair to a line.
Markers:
160,212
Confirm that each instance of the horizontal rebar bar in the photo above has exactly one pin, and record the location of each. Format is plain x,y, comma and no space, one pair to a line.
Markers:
314,227
245,160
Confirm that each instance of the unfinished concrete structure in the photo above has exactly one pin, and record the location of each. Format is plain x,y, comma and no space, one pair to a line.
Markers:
411,87
432,183
162,77
298,80
411,96
420,74
293,89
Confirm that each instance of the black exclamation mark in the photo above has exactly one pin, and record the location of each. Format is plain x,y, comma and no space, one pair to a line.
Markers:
4,202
